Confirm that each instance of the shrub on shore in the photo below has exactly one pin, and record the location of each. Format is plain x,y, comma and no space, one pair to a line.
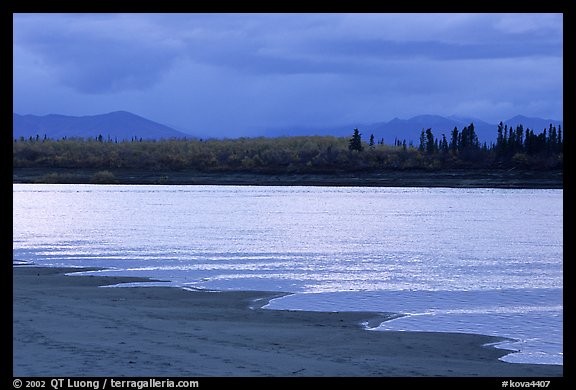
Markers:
104,177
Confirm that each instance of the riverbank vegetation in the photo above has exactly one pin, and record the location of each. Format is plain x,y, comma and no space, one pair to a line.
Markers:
517,148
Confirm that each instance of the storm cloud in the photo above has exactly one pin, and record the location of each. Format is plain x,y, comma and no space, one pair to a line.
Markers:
233,73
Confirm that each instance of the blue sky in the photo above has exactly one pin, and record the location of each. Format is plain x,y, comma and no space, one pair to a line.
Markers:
235,74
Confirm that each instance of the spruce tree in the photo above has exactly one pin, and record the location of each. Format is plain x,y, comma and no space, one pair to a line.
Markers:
430,146
355,142
422,146
454,140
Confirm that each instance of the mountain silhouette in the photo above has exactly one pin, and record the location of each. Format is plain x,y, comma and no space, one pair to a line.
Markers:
410,129
118,125
122,125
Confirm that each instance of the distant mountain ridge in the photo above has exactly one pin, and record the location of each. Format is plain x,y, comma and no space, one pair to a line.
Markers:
409,129
123,125
536,124
118,125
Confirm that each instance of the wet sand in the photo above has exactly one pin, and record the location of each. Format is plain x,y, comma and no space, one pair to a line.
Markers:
67,326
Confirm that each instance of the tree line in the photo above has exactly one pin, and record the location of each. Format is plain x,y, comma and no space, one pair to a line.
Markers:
510,142
514,148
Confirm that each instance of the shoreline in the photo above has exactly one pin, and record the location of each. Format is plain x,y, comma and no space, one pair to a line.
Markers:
451,178
65,326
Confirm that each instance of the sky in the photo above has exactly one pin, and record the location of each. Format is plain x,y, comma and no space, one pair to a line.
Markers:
237,74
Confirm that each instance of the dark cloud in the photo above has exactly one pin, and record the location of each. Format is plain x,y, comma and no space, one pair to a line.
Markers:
95,55
431,50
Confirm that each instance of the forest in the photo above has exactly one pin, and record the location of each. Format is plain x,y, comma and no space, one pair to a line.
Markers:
515,148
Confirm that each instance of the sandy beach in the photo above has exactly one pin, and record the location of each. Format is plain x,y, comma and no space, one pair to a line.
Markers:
67,326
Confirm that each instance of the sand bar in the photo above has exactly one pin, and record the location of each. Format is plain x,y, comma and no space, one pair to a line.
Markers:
67,326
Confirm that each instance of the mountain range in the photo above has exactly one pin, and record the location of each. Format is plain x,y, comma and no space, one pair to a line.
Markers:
122,125
118,125
410,129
